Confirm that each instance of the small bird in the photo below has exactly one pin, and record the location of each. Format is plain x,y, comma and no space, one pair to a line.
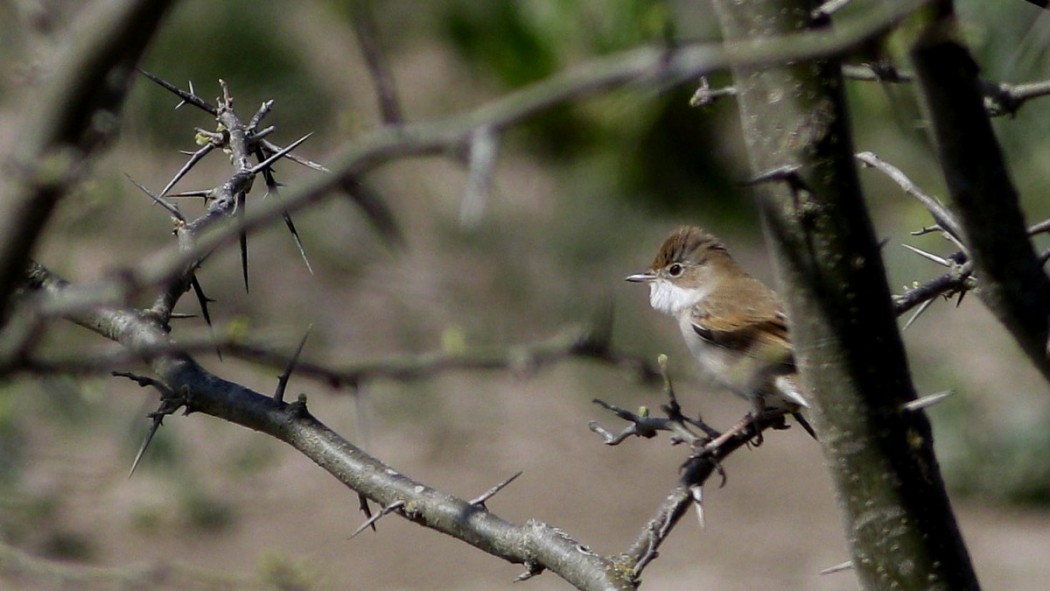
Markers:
732,323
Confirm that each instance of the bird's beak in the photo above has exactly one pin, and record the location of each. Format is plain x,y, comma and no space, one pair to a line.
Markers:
647,277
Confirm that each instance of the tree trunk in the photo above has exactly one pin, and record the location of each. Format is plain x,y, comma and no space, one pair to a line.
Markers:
899,523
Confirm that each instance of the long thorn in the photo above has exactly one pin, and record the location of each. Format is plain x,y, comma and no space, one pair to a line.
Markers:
157,420
159,200
280,154
194,158
282,381
492,491
922,308
927,401
388,509
939,260
273,148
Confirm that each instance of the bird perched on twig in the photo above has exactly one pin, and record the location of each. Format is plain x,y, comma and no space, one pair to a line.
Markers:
732,323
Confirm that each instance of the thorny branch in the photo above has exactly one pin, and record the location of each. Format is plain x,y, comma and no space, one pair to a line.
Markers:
185,385
537,545
524,358
708,449
1000,98
651,66
533,544
959,277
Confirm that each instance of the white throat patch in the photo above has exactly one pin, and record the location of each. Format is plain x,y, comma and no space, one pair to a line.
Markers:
669,298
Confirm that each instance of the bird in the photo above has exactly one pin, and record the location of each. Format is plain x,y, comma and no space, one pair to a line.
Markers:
733,324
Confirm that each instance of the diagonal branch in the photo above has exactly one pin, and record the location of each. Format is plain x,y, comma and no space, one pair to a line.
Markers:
650,66
368,37
74,117
534,544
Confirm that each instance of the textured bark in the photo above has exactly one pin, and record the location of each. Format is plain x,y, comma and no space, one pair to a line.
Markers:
898,519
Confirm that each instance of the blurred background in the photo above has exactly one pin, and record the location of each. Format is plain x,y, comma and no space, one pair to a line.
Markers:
582,196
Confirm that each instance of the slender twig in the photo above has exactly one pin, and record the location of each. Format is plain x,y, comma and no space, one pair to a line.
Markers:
527,357
75,116
876,72
944,218
187,97
536,544
1000,98
957,280
598,76
368,38
1006,99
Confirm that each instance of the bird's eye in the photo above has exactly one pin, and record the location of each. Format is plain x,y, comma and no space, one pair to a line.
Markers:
674,270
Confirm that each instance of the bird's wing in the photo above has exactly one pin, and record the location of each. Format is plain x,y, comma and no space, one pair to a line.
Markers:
754,326
764,340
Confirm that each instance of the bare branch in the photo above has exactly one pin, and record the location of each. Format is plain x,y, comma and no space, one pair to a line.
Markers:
958,280
944,218
535,544
76,115
187,97
368,37
1006,99
651,65
524,358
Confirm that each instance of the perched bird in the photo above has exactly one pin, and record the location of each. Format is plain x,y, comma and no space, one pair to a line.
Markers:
732,323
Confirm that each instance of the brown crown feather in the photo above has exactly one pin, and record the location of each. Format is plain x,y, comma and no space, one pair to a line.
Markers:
688,243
